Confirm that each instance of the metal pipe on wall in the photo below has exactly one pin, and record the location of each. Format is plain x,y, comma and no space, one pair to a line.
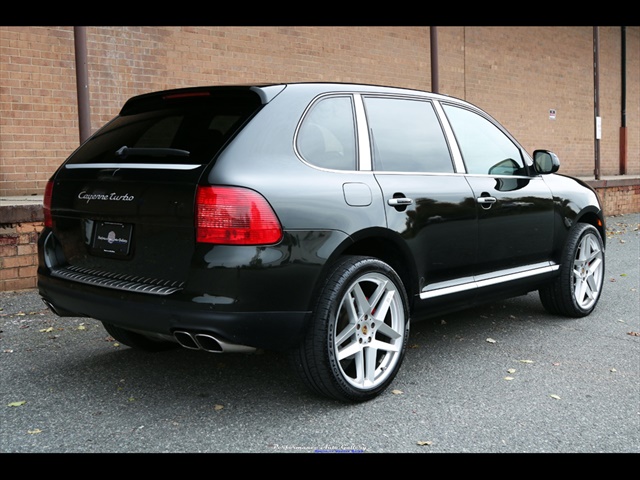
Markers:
434,59
82,82
596,101
623,99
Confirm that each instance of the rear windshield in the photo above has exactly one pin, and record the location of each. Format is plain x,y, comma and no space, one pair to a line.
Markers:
186,131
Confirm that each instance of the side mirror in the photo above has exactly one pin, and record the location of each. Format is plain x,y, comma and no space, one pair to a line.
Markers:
545,161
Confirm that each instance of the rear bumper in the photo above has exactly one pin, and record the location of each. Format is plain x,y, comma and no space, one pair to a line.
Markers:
270,330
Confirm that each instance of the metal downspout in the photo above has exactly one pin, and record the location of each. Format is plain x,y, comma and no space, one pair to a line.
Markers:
435,88
623,98
596,91
82,82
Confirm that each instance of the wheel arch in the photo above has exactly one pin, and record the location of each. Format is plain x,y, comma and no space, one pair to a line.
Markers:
386,246
594,217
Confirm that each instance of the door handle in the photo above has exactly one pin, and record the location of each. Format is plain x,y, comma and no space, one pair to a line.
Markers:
486,202
399,202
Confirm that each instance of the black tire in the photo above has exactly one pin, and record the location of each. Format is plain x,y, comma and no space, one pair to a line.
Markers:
137,340
358,332
577,289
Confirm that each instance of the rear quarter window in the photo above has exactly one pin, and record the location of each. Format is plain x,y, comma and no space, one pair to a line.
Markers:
326,137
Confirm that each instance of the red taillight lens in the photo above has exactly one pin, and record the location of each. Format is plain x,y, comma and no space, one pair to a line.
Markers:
46,204
235,216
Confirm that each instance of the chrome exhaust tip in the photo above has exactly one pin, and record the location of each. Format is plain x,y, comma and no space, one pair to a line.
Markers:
59,311
208,343
186,340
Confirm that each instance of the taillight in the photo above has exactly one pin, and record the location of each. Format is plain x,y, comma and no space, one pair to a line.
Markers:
48,221
235,216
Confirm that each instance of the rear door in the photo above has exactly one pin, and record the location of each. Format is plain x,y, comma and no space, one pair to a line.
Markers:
428,204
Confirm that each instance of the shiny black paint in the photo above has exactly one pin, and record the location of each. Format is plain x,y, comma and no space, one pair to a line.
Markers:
516,230
262,296
440,226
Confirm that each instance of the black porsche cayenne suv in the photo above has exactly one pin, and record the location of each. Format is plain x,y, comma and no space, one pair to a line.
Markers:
316,219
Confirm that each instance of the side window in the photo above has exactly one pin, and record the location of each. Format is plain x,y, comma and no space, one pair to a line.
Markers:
406,136
485,148
327,135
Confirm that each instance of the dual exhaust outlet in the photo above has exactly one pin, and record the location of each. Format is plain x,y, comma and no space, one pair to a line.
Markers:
208,343
193,341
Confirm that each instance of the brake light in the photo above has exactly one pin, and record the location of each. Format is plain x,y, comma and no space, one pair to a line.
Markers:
173,96
235,216
46,204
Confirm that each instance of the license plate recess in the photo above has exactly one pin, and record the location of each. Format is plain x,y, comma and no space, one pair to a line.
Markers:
112,239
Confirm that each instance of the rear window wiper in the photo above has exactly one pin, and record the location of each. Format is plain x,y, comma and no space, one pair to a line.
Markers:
125,151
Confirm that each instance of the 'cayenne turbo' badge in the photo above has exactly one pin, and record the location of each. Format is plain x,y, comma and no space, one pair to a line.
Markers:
105,197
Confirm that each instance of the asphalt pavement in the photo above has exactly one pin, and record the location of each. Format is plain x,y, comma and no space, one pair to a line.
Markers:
503,378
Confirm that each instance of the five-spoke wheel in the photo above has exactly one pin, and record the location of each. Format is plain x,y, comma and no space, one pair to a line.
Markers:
358,335
577,289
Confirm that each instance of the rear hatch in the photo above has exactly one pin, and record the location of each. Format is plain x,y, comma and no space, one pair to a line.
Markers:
122,206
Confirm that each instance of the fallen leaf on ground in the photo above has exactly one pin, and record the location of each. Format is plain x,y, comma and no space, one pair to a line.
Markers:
525,361
397,392
424,442
555,397
634,334
218,407
17,404
490,340
34,431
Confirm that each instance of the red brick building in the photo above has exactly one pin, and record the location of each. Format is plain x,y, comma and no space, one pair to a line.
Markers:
540,82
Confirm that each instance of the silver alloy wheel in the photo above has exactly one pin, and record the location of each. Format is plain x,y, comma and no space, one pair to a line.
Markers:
369,331
587,271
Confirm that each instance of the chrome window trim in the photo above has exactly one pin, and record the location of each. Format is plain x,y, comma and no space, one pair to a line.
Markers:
143,166
362,132
451,138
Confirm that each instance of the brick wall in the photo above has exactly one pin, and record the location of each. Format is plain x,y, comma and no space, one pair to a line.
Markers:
518,74
38,114
619,199
520,81
18,255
